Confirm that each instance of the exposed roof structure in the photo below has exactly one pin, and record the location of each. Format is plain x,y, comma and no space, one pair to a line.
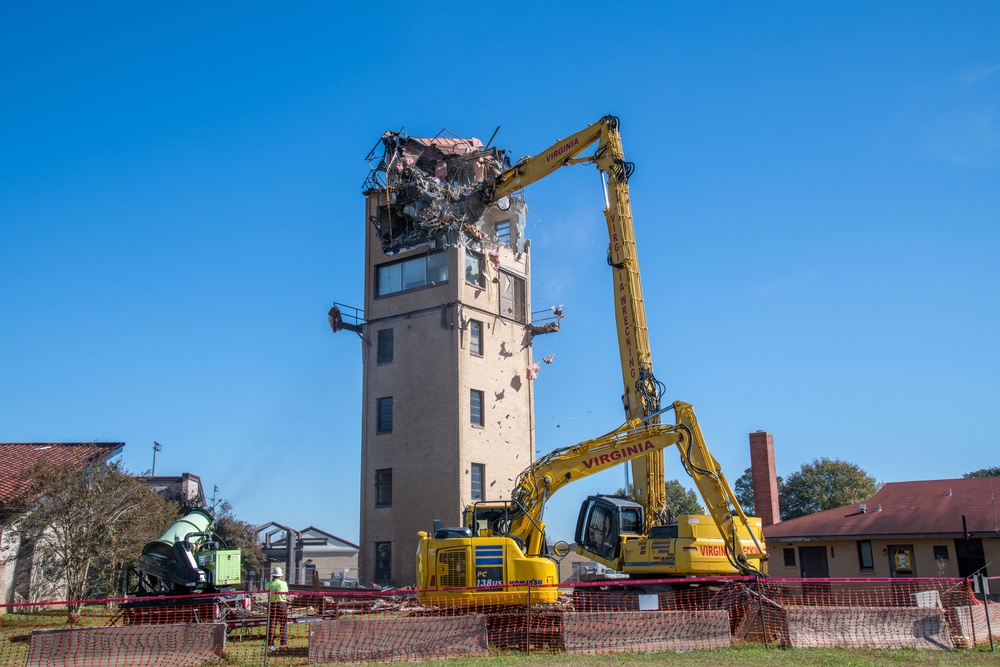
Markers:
18,457
433,189
273,535
941,507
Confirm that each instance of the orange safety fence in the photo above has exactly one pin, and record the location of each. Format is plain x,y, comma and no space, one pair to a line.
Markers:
357,625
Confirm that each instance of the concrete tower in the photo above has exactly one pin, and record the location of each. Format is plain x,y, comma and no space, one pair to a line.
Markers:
446,334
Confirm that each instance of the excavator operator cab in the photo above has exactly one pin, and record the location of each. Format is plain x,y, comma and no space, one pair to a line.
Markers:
602,519
488,518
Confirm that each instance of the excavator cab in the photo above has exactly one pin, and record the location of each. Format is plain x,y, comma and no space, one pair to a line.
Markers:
602,519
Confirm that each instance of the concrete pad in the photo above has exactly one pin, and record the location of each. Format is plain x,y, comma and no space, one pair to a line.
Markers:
393,639
167,645
971,627
644,631
867,627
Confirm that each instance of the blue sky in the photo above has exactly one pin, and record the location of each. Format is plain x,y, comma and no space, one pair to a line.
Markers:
816,201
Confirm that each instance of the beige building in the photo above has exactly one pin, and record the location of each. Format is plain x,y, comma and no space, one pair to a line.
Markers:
447,349
931,528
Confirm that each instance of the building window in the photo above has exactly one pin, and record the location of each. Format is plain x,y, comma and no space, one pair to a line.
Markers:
503,232
413,273
474,269
941,552
383,562
476,338
865,561
385,414
512,295
478,481
476,408
383,487
385,346
789,557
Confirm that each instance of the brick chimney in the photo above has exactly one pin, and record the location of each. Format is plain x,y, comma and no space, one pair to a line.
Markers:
764,477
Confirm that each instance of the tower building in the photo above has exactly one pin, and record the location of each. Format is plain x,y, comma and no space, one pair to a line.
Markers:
447,345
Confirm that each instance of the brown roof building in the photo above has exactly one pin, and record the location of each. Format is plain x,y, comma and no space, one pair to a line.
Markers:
20,579
931,528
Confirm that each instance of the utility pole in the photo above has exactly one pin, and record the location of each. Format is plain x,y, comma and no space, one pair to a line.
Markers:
156,447
215,490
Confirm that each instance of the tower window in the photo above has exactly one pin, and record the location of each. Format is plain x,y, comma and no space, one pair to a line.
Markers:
503,232
412,273
383,562
476,407
476,338
384,346
474,269
512,294
478,481
383,487
385,414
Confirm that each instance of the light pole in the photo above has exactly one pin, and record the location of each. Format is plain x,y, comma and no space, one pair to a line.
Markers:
156,447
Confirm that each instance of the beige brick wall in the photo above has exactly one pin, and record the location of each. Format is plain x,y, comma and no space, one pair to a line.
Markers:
432,444
842,557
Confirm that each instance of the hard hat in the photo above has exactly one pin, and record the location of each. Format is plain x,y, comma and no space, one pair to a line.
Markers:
276,572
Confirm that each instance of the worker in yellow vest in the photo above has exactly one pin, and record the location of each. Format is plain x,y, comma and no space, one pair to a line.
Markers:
277,609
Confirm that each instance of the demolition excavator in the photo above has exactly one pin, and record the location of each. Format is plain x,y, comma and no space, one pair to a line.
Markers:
501,551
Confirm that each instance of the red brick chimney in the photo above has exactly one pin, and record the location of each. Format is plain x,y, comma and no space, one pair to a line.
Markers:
764,477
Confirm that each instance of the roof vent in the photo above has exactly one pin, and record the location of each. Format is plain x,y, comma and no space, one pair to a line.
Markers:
879,507
949,490
863,508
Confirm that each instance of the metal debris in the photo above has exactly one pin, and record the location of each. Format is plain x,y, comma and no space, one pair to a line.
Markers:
432,192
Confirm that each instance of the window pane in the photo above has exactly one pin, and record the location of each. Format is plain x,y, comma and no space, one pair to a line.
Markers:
476,337
383,487
474,268
389,279
414,273
385,346
383,562
789,555
478,473
476,407
437,268
865,555
512,293
385,415
503,232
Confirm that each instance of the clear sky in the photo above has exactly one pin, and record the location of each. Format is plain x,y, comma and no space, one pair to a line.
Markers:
816,201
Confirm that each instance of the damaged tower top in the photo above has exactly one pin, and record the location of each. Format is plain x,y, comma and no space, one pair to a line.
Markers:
432,190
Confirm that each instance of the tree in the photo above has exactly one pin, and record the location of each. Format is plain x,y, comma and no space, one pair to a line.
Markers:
679,499
84,526
822,485
983,472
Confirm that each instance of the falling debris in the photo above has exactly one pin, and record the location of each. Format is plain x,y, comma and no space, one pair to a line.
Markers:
434,191
548,359
548,324
532,371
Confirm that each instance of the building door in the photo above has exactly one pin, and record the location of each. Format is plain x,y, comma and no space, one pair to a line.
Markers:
970,556
813,562
901,560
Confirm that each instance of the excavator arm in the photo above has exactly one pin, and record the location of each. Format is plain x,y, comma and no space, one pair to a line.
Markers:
537,483
642,391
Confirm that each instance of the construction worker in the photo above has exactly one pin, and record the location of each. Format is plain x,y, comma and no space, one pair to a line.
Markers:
277,609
